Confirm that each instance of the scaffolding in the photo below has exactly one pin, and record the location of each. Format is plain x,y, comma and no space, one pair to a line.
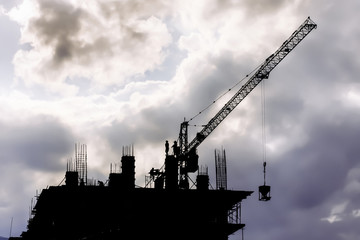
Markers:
234,214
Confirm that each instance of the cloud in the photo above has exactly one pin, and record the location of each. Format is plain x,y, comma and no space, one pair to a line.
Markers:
336,211
39,143
33,153
88,72
88,40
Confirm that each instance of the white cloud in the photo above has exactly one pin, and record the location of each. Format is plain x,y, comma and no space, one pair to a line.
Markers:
336,214
24,12
353,97
70,40
356,213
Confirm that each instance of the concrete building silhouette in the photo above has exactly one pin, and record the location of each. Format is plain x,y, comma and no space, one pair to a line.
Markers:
118,209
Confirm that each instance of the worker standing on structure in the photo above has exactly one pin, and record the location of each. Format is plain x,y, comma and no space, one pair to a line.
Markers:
166,147
176,149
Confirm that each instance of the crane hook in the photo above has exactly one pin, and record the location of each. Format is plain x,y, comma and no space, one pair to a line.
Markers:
264,190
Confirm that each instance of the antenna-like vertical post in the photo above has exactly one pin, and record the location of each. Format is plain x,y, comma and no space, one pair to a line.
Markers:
11,224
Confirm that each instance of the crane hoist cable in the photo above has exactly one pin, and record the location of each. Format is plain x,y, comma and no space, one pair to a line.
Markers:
264,190
263,125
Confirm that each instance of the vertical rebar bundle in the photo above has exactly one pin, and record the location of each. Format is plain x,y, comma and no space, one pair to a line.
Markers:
128,150
220,168
81,162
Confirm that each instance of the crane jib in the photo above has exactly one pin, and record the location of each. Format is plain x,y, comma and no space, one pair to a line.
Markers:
262,73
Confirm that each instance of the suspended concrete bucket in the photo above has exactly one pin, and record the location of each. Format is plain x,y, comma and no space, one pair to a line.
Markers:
264,193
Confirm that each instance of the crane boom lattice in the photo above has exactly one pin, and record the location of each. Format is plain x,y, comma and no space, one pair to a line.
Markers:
262,73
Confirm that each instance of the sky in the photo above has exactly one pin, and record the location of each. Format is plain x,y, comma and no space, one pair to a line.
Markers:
115,73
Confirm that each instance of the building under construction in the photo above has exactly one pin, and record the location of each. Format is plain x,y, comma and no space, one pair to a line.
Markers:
117,209
170,205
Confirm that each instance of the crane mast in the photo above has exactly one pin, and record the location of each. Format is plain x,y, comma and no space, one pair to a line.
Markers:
263,72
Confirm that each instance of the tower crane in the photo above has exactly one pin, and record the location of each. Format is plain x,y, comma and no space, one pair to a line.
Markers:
187,151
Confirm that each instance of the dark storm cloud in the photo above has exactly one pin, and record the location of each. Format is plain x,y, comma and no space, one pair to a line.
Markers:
61,26
29,148
307,180
319,168
150,127
308,108
58,26
226,74
40,143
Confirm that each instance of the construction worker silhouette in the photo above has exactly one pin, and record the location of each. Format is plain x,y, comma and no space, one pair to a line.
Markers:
166,147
